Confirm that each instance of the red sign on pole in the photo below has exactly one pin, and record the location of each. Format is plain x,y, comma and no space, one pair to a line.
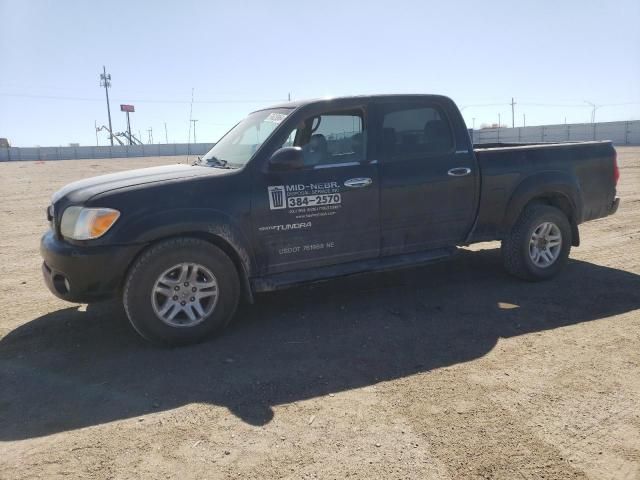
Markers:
127,108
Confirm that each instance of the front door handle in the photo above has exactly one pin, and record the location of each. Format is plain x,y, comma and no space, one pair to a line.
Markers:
459,172
358,182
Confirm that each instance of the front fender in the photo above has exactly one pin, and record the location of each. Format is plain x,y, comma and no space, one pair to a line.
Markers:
150,227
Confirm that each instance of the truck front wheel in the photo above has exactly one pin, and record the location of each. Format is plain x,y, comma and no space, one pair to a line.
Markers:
181,291
538,245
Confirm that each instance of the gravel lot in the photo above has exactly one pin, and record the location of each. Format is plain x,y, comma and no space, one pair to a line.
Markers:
451,371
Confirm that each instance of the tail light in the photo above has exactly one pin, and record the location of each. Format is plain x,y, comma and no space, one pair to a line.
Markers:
616,170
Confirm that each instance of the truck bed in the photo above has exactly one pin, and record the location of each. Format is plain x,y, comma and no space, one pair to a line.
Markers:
509,168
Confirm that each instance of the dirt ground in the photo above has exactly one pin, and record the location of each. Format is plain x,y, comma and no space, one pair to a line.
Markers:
451,371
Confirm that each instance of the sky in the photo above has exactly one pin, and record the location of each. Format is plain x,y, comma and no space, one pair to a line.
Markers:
236,56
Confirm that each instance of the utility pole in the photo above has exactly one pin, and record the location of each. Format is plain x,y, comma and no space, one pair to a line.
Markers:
166,135
95,126
150,131
593,110
105,81
289,96
499,121
524,120
194,131
189,134
513,112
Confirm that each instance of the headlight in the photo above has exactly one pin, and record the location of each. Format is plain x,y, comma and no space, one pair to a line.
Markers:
81,223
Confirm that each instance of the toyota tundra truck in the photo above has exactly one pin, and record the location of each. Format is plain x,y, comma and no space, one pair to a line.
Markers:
310,190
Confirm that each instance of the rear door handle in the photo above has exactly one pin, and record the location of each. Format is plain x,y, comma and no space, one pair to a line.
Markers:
358,182
459,172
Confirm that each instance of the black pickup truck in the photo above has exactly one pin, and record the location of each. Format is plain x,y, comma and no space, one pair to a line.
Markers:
311,190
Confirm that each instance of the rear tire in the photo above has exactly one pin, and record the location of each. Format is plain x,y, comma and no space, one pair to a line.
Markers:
531,250
181,291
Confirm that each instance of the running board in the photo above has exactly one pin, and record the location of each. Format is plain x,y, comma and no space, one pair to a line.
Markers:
297,277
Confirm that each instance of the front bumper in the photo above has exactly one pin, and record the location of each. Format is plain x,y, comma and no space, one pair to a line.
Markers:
87,273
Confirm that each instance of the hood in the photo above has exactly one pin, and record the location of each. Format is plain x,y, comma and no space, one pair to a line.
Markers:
83,190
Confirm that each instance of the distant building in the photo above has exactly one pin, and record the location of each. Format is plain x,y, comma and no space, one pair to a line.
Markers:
4,143
74,144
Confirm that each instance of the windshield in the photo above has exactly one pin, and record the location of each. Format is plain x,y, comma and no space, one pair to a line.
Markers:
237,147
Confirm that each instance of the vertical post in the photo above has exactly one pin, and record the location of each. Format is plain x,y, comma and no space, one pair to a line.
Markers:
95,126
129,129
524,120
542,134
194,131
166,134
626,133
513,113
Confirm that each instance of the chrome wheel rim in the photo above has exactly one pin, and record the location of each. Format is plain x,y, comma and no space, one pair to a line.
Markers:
184,295
545,244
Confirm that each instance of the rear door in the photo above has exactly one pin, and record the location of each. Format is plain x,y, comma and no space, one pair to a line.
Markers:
326,213
428,187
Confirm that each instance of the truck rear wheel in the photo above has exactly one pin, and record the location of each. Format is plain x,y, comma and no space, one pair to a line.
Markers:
181,291
538,245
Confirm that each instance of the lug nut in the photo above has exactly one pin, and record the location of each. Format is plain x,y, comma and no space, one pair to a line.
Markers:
186,284
193,289
175,298
183,303
176,288
192,299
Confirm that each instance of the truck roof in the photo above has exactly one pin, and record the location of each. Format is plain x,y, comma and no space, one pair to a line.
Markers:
399,96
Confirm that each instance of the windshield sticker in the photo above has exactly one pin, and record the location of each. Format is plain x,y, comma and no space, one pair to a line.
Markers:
275,117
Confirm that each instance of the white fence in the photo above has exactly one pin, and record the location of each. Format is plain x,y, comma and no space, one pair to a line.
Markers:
620,133
117,151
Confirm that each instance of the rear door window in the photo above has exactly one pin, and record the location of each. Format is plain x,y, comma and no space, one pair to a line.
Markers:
411,131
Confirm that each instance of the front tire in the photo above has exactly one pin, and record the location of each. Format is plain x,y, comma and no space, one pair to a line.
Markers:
181,291
538,245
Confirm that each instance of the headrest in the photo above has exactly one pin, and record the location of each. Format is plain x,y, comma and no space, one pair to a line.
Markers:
318,143
437,131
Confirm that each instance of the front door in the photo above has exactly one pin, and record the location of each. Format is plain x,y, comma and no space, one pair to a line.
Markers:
327,212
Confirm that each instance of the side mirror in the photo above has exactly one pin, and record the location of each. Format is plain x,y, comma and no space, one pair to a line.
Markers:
286,158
